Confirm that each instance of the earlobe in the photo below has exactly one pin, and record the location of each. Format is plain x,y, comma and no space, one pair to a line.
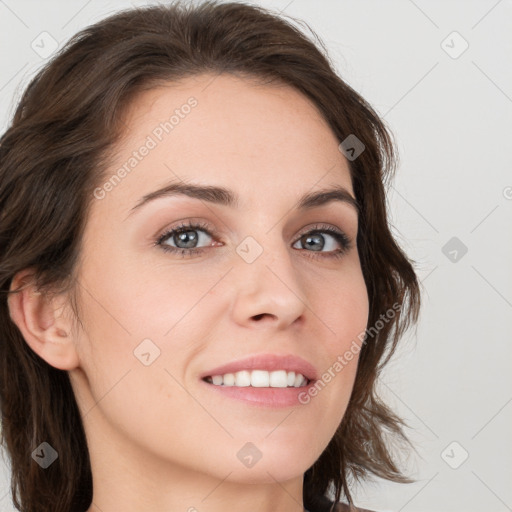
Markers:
42,323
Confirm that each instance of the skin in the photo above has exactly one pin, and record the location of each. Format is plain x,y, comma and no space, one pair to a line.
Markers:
159,440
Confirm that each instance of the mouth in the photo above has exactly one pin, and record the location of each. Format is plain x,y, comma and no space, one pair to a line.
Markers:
268,381
263,370
262,396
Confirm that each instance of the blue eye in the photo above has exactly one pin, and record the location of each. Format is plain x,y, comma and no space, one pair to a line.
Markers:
186,237
316,240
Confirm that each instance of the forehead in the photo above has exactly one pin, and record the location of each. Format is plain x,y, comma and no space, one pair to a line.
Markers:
223,92
229,131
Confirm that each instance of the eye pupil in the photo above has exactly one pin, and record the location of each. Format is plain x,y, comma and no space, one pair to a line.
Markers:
316,240
188,237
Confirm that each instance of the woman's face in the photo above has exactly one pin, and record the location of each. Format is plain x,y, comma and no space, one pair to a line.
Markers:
156,321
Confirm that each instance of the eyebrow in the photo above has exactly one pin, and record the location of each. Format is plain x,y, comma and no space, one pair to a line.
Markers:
226,197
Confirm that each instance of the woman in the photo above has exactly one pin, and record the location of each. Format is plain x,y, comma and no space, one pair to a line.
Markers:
199,284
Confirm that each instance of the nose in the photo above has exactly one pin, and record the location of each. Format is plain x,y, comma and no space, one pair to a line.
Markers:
268,289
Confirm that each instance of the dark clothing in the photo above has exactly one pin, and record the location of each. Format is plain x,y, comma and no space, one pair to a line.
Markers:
323,504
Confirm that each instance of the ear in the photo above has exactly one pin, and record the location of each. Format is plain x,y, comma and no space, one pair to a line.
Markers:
43,322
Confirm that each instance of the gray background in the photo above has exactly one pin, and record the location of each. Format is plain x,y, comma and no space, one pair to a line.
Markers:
451,113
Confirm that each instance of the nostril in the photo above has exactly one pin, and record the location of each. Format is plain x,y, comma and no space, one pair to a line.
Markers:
263,315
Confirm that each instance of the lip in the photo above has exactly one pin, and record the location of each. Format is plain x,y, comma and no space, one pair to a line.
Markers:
268,362
266,398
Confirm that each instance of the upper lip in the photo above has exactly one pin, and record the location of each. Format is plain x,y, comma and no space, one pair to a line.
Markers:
268,362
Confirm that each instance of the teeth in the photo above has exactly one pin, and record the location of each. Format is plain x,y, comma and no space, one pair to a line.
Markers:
259,379
229,379
242,379
217,380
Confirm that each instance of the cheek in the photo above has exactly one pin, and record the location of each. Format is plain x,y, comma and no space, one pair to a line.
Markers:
349,323
139,311
143,296
341,307
131,317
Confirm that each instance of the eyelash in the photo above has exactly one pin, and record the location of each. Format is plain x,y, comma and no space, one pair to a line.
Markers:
339,236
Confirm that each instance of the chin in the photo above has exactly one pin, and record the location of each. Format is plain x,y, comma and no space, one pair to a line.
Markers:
273,465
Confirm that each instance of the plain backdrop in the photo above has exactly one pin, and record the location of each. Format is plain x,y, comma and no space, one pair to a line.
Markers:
439,73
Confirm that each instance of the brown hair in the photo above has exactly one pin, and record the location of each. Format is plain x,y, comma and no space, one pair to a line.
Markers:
54,154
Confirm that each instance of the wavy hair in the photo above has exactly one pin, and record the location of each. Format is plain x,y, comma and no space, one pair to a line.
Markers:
53,155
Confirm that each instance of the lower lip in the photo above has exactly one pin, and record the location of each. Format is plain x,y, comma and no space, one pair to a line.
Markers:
264,397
